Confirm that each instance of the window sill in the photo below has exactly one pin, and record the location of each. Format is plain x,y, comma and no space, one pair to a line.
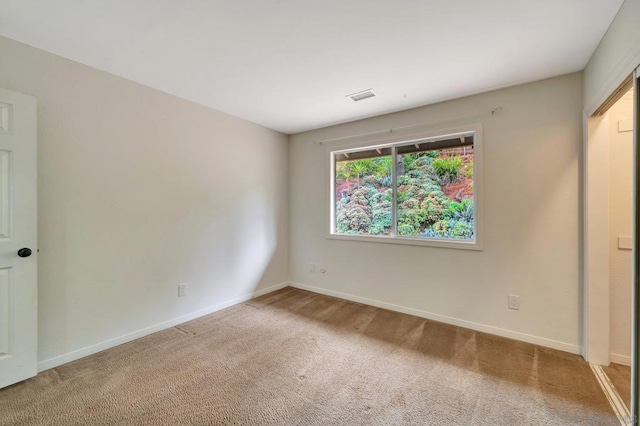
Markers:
427,242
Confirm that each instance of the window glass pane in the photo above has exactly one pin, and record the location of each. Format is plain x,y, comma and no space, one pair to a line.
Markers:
363,192
435,189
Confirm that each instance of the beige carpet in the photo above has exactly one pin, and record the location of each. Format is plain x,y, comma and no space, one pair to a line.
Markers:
620,376
298,358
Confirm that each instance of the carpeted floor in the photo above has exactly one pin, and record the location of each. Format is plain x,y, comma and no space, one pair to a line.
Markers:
297,358
620,376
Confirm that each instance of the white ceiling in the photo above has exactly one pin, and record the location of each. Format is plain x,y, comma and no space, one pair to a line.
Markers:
288,64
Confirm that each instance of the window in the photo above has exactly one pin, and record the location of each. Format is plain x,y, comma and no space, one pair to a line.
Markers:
420,191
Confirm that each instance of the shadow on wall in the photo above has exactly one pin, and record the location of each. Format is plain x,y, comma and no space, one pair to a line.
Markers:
224,249
254,242
231,252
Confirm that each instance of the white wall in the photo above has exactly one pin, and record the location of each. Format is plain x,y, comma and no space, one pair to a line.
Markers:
620,225
617,55
140,191
532,151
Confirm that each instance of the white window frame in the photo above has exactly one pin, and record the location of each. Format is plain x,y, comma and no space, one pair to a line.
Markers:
393,142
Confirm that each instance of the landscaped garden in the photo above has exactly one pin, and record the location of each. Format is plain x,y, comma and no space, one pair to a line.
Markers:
434,195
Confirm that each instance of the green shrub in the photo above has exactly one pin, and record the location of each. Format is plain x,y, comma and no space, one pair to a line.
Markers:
408,191
441,227
382,167
414,217
424,164
375,198
447,168
460,210
381,219
415,173
449,228
370,181
385,180
344,170
407,160
469,170
433,214
353,212
406,230
358,219
359,196
411,203
461,229
434,207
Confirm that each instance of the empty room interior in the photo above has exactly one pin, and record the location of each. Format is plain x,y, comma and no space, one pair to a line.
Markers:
319,213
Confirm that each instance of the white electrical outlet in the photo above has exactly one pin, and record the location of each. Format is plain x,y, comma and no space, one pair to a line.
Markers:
182,289
323,269
514,302
312,267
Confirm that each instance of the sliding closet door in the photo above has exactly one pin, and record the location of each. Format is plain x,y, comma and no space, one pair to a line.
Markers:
635,326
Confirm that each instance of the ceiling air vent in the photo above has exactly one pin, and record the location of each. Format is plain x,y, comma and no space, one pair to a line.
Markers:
361,95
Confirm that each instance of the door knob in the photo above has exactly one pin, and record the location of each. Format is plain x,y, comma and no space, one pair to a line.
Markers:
24,252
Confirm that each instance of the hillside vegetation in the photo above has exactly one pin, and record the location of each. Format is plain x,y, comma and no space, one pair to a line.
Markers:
435,195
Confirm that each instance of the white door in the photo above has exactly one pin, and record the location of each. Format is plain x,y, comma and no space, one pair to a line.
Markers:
18,226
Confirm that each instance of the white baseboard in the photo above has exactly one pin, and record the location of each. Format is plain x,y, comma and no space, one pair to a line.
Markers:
620,359
98,347
541,341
